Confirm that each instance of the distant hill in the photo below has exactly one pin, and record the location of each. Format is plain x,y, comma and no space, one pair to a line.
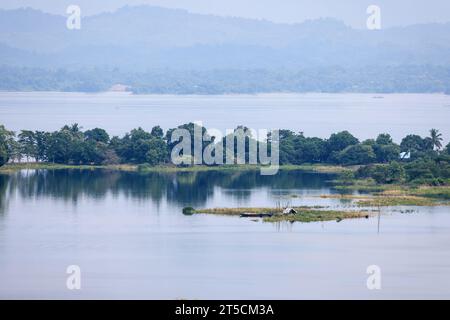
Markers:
146,38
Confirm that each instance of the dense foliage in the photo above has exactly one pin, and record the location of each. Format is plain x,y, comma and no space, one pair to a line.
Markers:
408,79
416,159
7,144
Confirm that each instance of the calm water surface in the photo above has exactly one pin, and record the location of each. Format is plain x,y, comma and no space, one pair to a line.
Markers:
365,115
127,233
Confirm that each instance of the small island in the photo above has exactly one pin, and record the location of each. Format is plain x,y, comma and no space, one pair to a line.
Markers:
294,214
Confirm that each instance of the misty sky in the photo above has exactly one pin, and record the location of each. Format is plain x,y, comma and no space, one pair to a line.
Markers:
352,12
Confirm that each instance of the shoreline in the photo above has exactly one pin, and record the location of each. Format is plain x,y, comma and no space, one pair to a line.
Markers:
14,167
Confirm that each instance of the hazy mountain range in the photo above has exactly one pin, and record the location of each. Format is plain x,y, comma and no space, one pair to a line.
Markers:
145,38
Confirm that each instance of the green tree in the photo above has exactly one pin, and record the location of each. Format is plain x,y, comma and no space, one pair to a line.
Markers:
157,132
42,142
288,141
7,145
389,173
341,140
338,142
387,152
27,144
59,147
356,154
140,146
412,143
384,139
420,170
385,149
97,135
310,150
157,151
4,156
436,139
447,149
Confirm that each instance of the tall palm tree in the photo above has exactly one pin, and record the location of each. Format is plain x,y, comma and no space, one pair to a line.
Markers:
436,138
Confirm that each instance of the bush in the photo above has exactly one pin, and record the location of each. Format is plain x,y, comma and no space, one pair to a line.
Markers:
428,170
385,174
387,152
347,177
188,211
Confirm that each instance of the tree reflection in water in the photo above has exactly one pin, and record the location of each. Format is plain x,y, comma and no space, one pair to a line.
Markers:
183,188
4,181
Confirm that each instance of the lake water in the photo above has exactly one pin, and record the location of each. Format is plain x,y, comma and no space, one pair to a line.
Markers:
128,235
365,115
130,239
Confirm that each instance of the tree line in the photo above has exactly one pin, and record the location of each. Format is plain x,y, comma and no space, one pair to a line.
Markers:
392,79
72,145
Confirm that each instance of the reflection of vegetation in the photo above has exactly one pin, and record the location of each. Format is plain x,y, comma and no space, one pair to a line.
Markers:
3,192
184,188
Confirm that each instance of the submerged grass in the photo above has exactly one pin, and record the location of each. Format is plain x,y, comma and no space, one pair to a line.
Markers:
345,196
363,185
433,192
411,196
431,196
236,211
392,201
397,194
318,215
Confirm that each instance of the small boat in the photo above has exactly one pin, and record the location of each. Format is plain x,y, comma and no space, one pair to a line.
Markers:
256,215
